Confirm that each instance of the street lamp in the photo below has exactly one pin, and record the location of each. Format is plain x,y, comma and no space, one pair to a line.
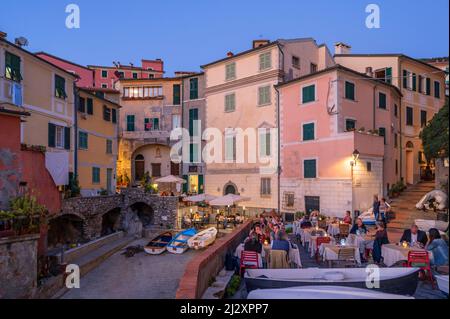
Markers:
355,156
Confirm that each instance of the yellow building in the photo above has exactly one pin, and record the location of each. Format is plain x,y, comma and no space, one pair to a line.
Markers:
32,84
97,122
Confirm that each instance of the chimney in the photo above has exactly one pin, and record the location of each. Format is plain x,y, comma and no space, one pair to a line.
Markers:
258,43
230,54
342,48
3,35
369,71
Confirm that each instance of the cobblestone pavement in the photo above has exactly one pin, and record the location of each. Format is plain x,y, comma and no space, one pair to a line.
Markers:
142,276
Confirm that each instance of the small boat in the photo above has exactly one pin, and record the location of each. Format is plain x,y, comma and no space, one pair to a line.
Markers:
321,292
203,238
442,281
158,245
179,244
401,281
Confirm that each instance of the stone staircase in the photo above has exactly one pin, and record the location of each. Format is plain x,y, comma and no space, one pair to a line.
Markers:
405,210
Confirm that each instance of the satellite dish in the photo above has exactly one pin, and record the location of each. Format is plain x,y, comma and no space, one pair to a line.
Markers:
21,41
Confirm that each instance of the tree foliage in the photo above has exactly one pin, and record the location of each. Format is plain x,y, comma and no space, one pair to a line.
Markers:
435,135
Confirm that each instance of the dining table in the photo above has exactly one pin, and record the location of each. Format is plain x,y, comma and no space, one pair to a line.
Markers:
393,253
312,248
306,234
294,254
333,229
330,252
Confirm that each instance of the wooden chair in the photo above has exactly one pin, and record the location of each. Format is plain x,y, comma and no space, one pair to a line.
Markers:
346,256
320,241
278,259
421,259
344,230
249,259
322,224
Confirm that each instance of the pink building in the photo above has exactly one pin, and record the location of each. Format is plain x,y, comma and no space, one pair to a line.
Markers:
339,141
86,75
106,76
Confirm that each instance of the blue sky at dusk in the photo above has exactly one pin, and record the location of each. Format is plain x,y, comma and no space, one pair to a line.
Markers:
187,34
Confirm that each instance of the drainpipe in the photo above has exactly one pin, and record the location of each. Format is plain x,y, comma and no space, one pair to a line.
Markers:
374,107
399,84
75,160
182,122
279,137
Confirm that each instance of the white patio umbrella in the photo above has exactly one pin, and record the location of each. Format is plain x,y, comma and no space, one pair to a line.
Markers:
228,200
200,198
170,179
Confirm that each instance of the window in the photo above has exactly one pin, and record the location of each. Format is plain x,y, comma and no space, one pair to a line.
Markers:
58,136
395,110
382,104
308,132
423,118
151,76
420,84
414,82
309,168
120,74
407,79
136,92
12,67
193,89
176,94
264,142
369,166
95,175
130,123
151,124
428,86
308,94
395,140
230,71
109,144
90,106
82,105
296,62
265,186
437,89
106,113
135,75
82,140
104,86
230,147
60,87
193,124
349,91
156,170
193,153
230,102
264,95
176,121
382,132
114,115
389,75
409,116
421,158
265,61
350,125
104,74
313,68
289,199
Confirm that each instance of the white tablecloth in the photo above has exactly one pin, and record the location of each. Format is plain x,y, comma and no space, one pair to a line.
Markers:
313,244
425,224
329,252
393,253
333,229
294,254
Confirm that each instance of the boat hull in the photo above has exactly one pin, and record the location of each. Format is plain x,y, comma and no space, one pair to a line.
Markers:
159,244
442,282
404,285
154,251
179,244
203,239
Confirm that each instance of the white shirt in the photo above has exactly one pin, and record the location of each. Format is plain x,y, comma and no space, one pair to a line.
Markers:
413,238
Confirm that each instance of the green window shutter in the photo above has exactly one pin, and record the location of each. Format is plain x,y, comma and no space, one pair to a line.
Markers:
176,94
420,84
83,140
389,75
106,113
382,132
95,175
309,167
308,94
193,117
428,86
405,79
90,106
12,67
82,105
409,116
230,102
230,71
423,118
382,104
349,91
264,95
108,147
67,138
51,134
185,185
308,132
114,115
130,123
60,87
265,61
437,90
155,124
414,82
193,89
201,183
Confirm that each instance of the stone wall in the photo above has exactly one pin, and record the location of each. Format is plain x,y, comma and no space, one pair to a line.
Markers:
441,175
18,267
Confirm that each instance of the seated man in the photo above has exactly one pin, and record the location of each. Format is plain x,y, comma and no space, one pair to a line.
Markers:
348,219
414,235
306,223
253,244
280,242
359,228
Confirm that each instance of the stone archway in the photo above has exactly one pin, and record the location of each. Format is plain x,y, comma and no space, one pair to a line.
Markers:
111,221
230,188
66,229
144,212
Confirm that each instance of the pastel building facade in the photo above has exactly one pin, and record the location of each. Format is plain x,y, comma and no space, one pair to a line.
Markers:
150,109
423,89
338,141
46,91
240,94
97,143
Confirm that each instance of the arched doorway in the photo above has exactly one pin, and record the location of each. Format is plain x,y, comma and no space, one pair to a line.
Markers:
409,161
230,188
65,230
144,212
139,167
110,222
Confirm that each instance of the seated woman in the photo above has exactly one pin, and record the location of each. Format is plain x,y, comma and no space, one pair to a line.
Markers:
347,218
359,228
381,238
306,223
253,243
438,247
280,242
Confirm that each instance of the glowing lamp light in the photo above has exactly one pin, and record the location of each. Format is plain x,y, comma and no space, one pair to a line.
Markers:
404,244
266,242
